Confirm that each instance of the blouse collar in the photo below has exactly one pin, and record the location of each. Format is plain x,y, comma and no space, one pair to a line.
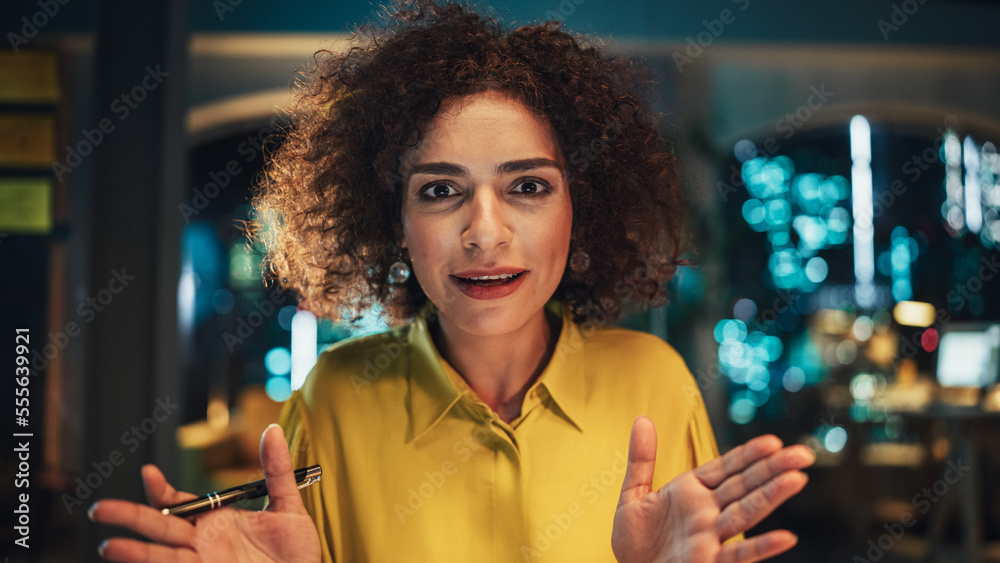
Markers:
433,393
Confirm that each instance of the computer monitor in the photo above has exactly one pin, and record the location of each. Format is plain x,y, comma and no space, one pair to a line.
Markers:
969,355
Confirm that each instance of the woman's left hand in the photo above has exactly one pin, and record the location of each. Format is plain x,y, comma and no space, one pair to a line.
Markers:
689,518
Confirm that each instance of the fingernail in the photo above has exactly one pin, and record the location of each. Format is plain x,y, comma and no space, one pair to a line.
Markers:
805,455
102,547
270,426
91,510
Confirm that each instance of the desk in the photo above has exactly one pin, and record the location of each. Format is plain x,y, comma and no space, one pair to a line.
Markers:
963,471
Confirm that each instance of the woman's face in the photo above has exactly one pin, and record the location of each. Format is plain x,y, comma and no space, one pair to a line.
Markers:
486,197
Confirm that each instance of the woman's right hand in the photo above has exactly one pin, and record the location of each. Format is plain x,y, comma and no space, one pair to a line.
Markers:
282,532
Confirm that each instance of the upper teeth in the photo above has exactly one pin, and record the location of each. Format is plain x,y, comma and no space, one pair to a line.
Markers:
499,277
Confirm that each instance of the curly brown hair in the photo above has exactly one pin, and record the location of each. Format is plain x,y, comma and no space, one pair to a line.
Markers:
329,206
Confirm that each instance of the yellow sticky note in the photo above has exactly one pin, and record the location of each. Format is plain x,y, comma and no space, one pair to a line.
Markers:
25,205
27,140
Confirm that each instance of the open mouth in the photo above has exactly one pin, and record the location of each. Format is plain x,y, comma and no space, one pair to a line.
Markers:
490,281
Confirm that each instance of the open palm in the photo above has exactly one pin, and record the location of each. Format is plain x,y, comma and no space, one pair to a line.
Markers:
689,518
283,532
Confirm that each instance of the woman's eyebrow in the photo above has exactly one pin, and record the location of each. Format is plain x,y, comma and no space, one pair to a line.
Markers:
515,166
439,169
509,167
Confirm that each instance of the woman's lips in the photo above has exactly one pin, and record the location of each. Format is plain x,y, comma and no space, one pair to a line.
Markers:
489,272
491,285
489,281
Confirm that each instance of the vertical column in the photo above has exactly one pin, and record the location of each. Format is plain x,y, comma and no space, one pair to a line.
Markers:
131,404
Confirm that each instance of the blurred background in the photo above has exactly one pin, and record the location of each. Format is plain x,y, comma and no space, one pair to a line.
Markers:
841,165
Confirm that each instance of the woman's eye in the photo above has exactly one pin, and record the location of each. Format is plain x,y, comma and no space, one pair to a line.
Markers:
529,187
438,191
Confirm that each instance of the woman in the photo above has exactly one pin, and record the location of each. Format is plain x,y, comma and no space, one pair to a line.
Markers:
518,176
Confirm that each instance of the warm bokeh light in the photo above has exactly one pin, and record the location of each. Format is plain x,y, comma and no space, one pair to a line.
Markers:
914,313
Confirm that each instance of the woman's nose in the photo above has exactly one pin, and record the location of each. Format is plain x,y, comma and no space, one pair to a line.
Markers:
488,226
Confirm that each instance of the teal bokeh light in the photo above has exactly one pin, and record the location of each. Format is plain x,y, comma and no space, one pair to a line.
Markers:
278,361
753,213
817,269
278,388
777,212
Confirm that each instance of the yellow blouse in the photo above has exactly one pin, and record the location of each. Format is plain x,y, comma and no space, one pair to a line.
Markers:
417,468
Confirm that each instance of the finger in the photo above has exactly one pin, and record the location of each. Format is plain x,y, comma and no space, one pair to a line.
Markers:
761,471
159,492
758,548
135,551
282,491
145,520
746,513
641,460
716,471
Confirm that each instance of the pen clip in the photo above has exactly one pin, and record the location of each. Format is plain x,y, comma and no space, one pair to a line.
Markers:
309,481
309,475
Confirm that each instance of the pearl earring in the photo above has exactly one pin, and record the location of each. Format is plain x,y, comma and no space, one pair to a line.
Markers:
399,272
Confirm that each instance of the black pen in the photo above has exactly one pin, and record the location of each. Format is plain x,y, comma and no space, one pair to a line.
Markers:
304,477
